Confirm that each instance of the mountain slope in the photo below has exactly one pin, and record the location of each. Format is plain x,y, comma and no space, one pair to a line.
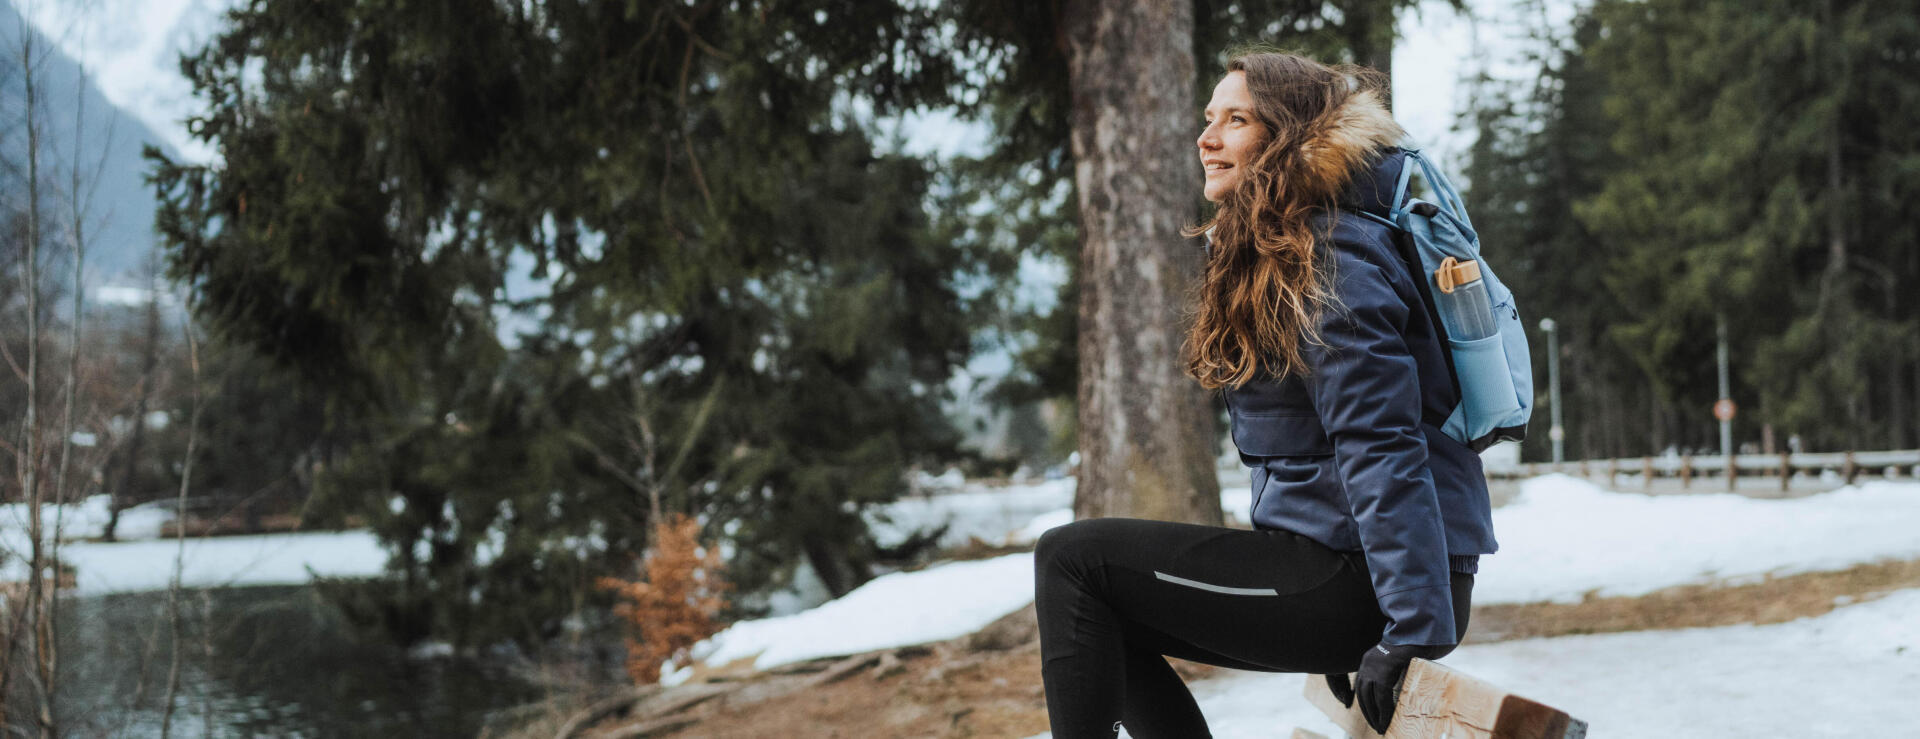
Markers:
120,206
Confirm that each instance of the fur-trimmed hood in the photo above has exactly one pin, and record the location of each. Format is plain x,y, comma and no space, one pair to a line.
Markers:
1341,149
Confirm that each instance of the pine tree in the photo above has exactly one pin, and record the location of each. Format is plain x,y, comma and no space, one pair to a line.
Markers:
1761,180
540,261
1541,147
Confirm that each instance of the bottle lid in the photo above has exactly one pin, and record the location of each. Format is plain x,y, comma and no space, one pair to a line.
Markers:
1455,273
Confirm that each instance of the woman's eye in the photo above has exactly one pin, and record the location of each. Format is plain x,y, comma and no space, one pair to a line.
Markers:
1239,119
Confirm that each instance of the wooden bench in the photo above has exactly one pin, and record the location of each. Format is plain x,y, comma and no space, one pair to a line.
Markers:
1439,703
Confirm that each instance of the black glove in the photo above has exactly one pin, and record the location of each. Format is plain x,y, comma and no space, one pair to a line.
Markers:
1378,684
1342,689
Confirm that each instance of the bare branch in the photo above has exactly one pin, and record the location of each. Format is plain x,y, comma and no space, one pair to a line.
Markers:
180,529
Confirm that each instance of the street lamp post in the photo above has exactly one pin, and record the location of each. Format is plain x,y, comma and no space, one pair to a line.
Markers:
1558,433
1723,409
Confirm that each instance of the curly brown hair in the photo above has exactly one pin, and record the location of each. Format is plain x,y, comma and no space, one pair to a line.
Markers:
1265,283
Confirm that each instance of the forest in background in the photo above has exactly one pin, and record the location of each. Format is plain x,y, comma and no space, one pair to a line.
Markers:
504,282
1675,165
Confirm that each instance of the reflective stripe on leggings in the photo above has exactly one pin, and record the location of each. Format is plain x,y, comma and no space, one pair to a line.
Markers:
1214,588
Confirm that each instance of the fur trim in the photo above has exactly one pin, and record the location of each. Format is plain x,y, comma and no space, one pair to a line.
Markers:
1339,144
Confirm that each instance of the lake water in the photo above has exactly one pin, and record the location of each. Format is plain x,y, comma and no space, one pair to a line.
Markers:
262,661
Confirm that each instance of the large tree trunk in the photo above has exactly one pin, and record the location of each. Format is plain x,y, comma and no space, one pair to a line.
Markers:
1147,431
1369,31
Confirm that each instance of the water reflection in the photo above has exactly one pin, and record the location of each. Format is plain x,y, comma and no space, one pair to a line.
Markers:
264,661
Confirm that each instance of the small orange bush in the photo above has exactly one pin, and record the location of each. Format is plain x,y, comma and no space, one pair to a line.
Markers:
674,607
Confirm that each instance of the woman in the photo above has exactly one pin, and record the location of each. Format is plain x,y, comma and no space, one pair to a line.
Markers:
1368,521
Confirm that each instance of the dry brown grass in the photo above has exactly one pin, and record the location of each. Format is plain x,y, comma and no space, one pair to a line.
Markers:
1772,600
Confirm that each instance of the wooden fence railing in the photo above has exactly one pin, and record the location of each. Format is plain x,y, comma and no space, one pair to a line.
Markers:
1849,466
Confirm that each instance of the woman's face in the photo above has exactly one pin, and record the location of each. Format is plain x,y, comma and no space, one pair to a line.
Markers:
1232,137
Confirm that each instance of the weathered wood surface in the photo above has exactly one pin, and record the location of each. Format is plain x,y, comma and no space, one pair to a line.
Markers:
1436,703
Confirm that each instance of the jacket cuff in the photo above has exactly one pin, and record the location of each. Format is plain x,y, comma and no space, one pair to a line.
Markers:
1420,616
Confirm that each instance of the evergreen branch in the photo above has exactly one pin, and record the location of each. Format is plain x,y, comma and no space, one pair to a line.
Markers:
699,424
606,461
699,177
694,38
653,26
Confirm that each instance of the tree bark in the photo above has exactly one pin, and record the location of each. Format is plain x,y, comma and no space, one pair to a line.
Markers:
1147,431
1896,403
835,572
1370,34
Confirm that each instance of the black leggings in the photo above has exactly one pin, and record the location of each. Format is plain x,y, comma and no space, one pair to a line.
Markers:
1114,594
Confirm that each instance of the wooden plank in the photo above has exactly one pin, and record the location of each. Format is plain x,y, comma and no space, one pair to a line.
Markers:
1436,702
1520,718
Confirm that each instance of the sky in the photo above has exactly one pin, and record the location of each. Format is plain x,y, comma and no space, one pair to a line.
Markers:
132,49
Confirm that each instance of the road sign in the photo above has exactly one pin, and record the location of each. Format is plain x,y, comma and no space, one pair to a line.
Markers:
1724,409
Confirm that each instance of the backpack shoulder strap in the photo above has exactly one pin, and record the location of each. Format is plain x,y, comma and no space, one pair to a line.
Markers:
1377,218
1437,182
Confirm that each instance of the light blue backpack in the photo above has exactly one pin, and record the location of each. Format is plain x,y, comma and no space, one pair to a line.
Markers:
1495,374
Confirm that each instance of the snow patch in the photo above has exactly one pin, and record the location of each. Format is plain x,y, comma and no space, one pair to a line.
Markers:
84,520
994,515
894,610
271,559
1564,537
1848,673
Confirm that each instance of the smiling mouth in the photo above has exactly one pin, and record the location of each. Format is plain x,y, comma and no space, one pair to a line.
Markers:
1212,168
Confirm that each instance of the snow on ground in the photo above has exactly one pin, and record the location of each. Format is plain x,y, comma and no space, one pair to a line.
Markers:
985,513
143,561
1564,537
84,520
1013,514
1039,525
891,610
1561,538
1848,673
270,559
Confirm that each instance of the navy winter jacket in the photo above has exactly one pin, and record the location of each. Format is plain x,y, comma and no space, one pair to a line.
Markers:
1351,455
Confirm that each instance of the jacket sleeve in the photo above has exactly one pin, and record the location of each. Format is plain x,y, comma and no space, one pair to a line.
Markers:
1365,387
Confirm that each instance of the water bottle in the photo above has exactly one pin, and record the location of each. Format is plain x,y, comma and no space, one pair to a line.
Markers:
1463,298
